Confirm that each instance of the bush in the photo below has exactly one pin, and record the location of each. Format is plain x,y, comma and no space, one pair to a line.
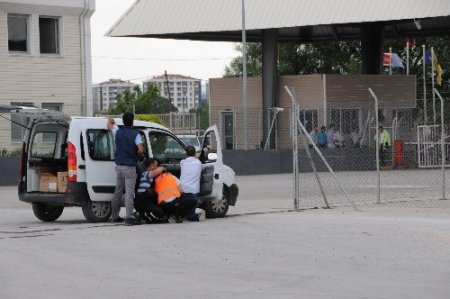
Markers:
149,117
10,153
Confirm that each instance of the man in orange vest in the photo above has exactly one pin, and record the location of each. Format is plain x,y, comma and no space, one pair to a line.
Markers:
170,198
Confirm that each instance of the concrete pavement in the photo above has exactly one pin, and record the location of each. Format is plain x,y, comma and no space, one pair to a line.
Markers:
399,250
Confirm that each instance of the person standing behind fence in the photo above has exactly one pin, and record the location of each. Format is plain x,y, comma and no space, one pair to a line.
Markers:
313,135
331,136
385,143
322,137
128,148
191,171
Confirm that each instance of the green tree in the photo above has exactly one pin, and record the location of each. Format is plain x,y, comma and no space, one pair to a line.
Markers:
202,114
147,102
254,61
341,57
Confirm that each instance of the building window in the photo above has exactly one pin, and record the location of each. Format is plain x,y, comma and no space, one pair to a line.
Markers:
18,121
228,129
18,33
309,118
49,35
345,120
52,106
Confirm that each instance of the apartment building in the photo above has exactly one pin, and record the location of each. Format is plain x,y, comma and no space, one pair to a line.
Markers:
184,92
45,59
105,93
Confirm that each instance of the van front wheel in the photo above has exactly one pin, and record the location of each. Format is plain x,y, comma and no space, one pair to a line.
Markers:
47,213
97,211
217,208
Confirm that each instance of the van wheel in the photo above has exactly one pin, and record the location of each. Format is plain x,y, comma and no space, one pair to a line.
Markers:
47,213
97,211
217,208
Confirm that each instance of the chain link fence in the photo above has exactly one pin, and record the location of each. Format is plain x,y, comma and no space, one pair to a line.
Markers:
413,162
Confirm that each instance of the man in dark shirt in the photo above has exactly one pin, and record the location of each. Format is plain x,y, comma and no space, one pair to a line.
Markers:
128,148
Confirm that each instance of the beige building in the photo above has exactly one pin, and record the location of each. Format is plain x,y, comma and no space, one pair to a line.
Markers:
105,93
342,100
184,92
45,58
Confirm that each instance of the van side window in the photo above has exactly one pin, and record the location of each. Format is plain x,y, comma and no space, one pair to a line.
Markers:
101,144
44,145
166,147
144,141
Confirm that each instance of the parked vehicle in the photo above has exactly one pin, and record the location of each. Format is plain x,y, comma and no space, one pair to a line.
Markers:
81,150
189,140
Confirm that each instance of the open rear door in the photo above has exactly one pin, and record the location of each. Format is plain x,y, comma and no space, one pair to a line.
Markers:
34,113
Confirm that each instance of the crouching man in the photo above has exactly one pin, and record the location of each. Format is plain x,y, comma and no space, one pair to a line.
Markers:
170,198
146,202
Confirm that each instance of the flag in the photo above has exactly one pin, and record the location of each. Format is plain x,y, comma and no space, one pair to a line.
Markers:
397,61
438,75
428,57
437,67
394,60
434,60
409,42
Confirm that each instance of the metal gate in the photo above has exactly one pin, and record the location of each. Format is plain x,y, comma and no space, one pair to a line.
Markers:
429,147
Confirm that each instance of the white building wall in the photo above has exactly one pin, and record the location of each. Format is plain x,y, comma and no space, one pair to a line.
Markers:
41,78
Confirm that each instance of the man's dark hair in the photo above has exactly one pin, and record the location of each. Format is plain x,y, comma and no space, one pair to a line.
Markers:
149,161
128,119
190,151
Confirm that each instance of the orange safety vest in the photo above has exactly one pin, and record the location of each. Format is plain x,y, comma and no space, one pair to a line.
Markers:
166,186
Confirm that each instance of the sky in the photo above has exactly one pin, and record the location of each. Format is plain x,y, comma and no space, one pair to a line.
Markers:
137,59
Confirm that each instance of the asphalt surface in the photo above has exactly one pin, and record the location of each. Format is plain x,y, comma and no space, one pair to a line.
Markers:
261,250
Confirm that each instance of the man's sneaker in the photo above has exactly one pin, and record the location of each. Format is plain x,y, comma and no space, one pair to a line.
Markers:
199,216
173,219
132,221
116,220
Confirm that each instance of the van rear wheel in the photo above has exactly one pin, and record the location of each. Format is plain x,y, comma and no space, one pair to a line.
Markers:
47,213
97,211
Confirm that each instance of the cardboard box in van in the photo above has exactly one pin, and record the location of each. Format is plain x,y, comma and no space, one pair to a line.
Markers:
62,182
48,182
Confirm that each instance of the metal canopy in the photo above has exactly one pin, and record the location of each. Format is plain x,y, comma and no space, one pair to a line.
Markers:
296,20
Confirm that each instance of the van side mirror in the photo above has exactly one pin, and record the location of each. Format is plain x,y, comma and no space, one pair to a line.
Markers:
212,157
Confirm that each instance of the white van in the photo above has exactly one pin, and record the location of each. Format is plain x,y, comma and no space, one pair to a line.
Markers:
83,149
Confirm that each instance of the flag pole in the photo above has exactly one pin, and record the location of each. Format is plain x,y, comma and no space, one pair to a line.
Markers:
432,84
390,63
425,118
407,57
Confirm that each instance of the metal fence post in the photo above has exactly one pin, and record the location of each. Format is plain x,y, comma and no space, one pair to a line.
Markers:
377,143
442,143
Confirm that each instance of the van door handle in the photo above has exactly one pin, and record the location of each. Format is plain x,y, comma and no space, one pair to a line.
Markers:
216,176
82,166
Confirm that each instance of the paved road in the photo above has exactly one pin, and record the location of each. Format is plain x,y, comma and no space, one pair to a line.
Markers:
399,250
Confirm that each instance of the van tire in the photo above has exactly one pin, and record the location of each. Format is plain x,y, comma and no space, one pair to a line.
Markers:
47,213
97,211
217,208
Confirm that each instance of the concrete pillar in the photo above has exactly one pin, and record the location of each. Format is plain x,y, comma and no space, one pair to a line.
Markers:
372,42
269,78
